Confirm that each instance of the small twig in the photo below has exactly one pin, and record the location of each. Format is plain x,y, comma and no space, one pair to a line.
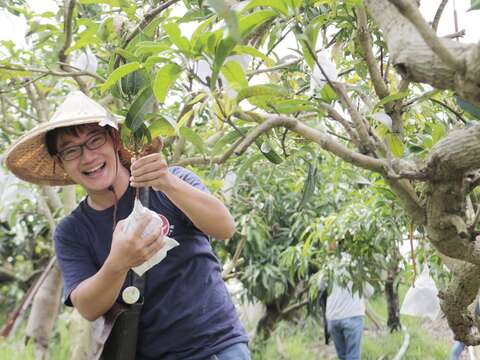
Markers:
48,72
438,15
98,77
412,253
31,81
273,68
20,109
457,114
455,35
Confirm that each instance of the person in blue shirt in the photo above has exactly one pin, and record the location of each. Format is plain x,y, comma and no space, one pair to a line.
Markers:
187,311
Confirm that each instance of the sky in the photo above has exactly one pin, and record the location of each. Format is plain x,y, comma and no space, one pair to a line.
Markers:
13,28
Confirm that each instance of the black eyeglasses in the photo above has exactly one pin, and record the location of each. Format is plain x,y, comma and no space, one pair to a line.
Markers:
92,143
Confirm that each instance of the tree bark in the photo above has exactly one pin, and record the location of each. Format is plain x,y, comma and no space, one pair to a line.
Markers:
420,56
79,330
44,313
418,62
391,293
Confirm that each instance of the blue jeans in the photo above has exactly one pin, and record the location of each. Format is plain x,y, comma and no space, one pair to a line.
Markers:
347,337
235,352
457,350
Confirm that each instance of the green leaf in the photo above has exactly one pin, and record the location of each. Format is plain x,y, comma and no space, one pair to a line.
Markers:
468,107
223,49
267,90
250,50
151,47
162,126
127,55
118,73
327,94
438,132
235,75
154,59
395,144
309,186
267,151
140,107
191,136
247,165
274,4
173,32
228,139
106,2
132,83
264,96
226,12
294,105
390,98
251,22
164,79
474,5
200,32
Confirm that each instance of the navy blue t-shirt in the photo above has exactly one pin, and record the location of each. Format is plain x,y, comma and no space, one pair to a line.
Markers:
187,312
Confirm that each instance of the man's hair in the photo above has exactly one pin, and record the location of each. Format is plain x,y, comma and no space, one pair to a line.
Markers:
74,130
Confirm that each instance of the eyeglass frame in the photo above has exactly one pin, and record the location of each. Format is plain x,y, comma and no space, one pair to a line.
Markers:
60,153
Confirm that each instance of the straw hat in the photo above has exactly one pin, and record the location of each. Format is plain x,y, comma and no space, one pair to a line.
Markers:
28,157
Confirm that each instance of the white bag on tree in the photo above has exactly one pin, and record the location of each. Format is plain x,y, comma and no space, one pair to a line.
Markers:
422,299
137,213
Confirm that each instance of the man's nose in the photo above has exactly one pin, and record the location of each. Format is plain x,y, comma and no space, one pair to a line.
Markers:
87,154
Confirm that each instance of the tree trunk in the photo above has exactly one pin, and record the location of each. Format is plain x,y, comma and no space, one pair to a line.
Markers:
79,330
268,322
44,312
391,292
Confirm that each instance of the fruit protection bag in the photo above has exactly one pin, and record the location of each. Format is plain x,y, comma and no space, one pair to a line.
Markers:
421,299
137,213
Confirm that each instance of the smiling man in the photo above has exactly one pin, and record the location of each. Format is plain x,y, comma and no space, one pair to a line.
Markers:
187,312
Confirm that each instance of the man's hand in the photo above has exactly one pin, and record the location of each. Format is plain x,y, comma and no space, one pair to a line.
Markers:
129,249
151,170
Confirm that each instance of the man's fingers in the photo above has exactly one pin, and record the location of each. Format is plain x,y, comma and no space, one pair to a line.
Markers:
145,177
141,225
151,238
155,246
145,160
149,168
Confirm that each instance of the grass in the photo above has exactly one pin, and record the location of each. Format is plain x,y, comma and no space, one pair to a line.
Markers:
291,341
59,345
305,340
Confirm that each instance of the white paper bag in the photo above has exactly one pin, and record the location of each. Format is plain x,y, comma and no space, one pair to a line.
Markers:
422,300
137,213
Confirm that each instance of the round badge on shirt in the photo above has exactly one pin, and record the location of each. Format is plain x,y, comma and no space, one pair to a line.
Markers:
130,295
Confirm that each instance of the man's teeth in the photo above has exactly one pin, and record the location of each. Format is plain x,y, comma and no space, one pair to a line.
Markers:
94,169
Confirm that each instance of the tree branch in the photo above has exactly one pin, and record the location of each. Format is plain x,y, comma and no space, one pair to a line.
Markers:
364,39
380,86
69,6
335,115
415,60
152,14
438,15
273,68
12,104
325,141
408,9
52,72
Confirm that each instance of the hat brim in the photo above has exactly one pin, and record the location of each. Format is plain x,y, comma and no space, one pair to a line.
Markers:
29,160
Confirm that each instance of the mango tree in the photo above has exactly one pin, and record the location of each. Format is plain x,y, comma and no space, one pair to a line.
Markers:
355,86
